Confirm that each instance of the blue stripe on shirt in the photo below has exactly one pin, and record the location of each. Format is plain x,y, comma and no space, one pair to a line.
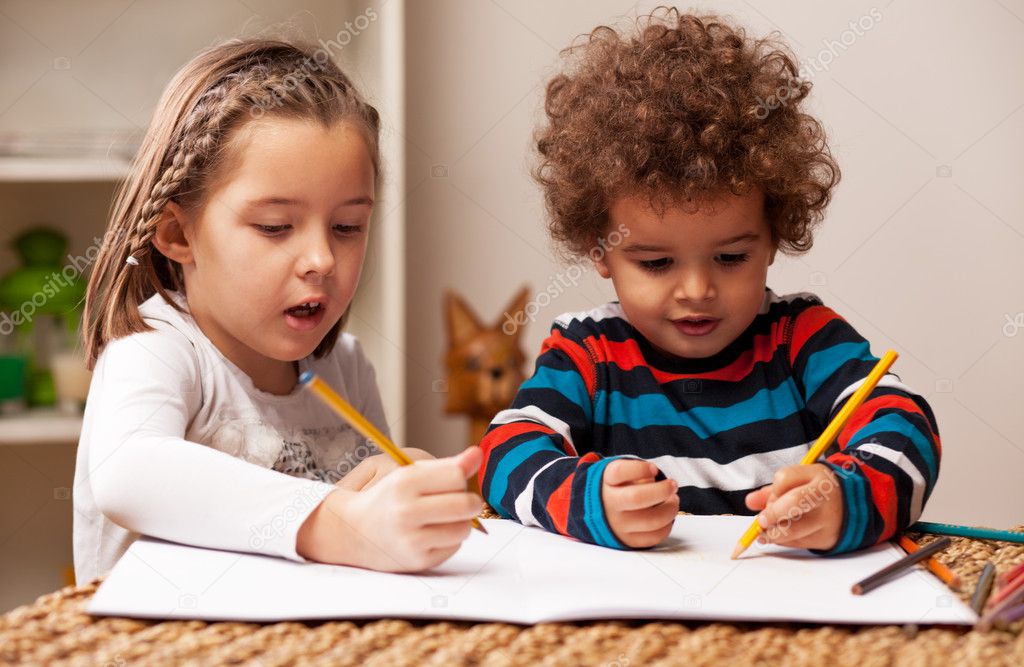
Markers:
823,365
656,410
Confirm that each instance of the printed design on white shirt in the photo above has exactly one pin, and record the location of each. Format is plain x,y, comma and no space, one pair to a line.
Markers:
247,437
298,461
339,450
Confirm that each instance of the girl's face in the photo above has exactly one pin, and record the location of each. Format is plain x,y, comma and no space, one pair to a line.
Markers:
278,244
677,266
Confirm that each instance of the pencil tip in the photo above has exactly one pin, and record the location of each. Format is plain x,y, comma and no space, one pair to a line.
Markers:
737,550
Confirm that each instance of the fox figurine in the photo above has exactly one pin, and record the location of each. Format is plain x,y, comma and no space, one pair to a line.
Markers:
484,363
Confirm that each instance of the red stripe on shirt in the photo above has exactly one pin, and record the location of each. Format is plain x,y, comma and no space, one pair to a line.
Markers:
502,434
866,413
627,356
808,323
578,355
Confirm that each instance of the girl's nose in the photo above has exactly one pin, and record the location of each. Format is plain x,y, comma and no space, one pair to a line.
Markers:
317,260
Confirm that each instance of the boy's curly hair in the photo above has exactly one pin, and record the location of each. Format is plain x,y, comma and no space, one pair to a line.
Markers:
684,107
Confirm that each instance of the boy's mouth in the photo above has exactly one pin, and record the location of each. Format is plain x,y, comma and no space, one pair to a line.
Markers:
697,325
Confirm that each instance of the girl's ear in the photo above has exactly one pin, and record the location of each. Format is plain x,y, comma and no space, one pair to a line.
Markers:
171,238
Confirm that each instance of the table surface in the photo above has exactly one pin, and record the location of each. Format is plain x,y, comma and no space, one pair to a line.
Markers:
55,630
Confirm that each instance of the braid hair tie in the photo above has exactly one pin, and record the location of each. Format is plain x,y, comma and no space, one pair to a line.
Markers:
131,261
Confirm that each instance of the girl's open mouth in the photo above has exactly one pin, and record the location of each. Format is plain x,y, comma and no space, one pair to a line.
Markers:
305,316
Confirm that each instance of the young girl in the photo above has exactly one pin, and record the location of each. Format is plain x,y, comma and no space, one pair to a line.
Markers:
232,256
680,160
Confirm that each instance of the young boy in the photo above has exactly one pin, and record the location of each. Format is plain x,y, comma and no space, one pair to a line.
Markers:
680,161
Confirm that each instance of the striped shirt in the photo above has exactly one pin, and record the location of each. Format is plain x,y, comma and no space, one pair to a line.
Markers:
720,426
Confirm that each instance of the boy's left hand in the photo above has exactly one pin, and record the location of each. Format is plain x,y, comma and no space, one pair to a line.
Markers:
802,507
370,470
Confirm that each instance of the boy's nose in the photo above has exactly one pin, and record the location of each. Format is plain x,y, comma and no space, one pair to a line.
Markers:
694,286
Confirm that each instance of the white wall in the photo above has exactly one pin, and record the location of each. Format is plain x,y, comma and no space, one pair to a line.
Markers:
920,250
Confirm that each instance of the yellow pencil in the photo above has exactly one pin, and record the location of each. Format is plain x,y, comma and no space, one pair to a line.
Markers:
829,434
360,423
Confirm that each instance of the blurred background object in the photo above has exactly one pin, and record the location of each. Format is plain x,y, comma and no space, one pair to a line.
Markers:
41,302
484,362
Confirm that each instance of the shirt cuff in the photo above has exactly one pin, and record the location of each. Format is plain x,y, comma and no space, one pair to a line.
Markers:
594,516
278,536
855,511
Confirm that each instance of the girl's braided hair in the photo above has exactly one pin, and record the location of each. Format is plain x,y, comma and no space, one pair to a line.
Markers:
185,146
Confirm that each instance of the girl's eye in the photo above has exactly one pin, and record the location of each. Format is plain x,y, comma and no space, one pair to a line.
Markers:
655,265
348,230
271,230
734,259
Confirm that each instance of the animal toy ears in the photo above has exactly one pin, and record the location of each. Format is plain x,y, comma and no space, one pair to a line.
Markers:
463,323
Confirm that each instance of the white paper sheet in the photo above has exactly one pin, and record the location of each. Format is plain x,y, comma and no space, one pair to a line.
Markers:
526,575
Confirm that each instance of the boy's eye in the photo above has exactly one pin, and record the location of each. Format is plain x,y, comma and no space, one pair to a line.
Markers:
655,265
733,259
271,230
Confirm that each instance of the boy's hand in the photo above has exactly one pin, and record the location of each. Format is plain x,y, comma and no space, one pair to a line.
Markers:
369,471
801,508
640,511
414,519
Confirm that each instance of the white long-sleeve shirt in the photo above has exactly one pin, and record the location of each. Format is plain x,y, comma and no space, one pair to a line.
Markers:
178,443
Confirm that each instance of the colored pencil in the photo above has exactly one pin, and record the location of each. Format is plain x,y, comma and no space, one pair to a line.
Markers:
1007,589
1005,577
1016,598
899,567
828,435
966,531
948,576
360,423
1010,615
984,588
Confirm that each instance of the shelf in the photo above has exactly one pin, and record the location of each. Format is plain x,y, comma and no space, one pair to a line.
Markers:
61,170
40,427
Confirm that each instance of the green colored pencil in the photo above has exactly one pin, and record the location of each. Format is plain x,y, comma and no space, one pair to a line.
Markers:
966,531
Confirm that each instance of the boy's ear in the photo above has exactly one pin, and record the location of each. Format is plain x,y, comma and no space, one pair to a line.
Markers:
601,266
171,238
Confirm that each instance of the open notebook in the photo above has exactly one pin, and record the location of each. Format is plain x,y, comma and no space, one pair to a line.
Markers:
526,575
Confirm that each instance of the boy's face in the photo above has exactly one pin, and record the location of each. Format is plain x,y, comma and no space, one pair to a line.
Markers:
674,265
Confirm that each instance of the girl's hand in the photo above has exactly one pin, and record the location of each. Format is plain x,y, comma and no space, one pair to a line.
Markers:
640,511
412,519
371,469
801,508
